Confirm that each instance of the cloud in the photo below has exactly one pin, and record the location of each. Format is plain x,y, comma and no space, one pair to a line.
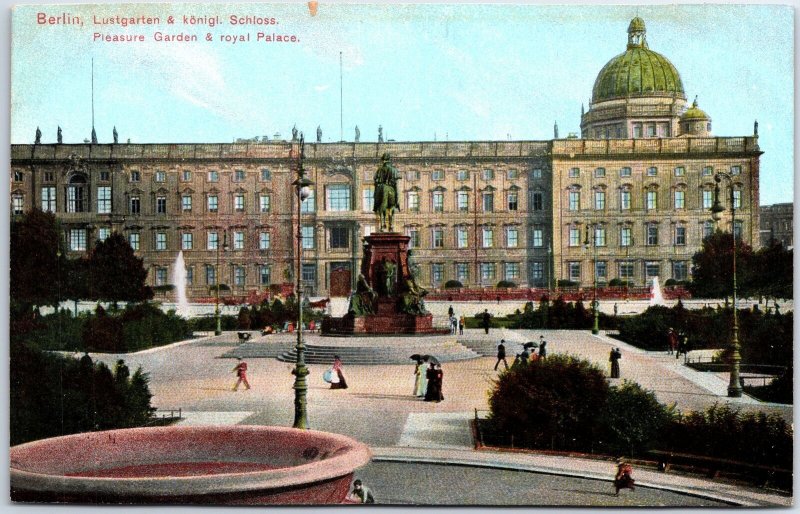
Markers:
189,73
322,88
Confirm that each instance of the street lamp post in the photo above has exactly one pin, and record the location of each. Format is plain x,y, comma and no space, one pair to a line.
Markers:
596,325
734,386
300,371
549,267
218,330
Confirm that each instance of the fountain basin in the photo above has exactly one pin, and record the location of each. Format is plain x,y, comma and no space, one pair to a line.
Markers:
230,465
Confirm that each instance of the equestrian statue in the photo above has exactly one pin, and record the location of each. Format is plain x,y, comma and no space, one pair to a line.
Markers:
386,198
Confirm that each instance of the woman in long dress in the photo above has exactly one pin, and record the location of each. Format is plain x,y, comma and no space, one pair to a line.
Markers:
420,380
337,368
432,391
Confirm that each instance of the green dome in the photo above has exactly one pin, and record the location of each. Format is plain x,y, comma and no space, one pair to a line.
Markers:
638,71
694,113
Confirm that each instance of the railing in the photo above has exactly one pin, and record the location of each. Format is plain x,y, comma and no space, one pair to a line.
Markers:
569,294
163,418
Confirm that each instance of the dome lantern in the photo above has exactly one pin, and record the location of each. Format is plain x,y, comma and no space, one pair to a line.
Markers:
637,33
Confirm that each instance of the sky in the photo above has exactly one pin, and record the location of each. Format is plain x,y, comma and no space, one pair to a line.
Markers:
423,72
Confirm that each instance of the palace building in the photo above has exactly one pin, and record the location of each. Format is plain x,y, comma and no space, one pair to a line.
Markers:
630,199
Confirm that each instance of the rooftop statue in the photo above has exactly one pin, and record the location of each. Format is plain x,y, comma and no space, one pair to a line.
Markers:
38,139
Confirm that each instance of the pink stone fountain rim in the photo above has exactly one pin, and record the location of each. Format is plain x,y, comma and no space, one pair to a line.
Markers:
300,457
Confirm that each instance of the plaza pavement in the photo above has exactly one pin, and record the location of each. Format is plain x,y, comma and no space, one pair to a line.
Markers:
379,410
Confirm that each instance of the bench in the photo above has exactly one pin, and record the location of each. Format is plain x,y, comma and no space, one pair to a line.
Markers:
761,475
244,336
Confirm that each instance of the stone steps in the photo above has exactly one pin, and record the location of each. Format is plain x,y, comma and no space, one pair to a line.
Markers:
376,355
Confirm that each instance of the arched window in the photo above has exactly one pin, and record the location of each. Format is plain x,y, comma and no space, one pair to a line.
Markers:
77,194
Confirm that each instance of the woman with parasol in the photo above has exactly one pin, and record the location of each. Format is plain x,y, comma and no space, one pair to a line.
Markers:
420,380
337,369
433,393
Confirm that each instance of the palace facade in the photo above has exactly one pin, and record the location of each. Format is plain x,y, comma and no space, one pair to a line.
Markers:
630,199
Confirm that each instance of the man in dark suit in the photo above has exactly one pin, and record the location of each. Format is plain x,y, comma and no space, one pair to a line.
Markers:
501,354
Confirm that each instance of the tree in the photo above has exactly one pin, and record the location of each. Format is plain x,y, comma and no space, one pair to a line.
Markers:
115,273
712,267
38,265
771,274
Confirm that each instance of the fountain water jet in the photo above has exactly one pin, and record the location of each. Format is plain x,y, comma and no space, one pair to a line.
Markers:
656,297
179,279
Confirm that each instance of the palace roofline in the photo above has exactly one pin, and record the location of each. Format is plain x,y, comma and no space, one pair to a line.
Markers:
569,148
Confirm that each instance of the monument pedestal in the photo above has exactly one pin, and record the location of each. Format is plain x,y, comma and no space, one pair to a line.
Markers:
385,269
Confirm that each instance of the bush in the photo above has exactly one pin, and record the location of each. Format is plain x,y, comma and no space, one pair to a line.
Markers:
53,395
564,403
453,284
617,282
719,432
506,284
566,283
765,338
552,403
780,390
634,420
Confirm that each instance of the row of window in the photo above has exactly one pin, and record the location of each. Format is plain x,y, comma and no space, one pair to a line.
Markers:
462,201
626,269
487,272
211,175
338,199
652,171
463,175
650,199
436,175
238,275
50,176
462,237
651,238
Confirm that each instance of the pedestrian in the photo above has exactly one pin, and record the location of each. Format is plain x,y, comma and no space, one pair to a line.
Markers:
450,311
486,319
501,354
337,368
453,324
361,493
543,349
681,346
439,380
614,358
623,478
673,341
615,310
461,322
420,381
524,357
241,374
431,393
